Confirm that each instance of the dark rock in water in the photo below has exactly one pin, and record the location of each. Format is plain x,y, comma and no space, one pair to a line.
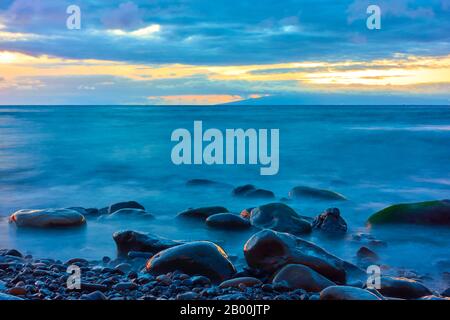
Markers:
299,276
194,258
240,282
205,183
202,213
246,213
227,221
347,293
125,205
94,296
139,254
7,297
47,218
269,251
127,241
403,288
426,213
138,213
250,191
330,221
279,217
366,254
446,293
11,252
320,194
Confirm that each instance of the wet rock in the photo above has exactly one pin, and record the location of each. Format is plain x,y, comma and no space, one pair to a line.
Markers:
425,213
202,213
303,192
239,282
124,286
47,218
347,293
227,221
6,297
269,251
250,191
124,267
187,296
434,298
302,277
205,183
127,241
138,213
403,288
366,255
125,205
330,221
94,296
17,291
194,258
279,217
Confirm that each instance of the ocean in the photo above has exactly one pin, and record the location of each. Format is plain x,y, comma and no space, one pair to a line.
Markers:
67,156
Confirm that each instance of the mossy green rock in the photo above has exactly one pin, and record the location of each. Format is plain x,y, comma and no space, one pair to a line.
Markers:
425,213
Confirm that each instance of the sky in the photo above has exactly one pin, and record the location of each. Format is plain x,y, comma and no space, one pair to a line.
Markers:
207,52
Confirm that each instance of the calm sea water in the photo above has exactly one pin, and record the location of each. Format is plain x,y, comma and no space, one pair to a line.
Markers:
95,156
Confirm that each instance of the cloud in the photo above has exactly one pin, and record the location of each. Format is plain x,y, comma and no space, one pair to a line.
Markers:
127,16
145,32
209,99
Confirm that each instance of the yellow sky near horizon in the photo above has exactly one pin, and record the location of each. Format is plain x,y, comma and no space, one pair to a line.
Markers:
400,73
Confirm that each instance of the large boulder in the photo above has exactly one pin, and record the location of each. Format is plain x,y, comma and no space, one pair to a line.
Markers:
403,288
195,258
297,276
250,191
279,217
125,205
269,251
347,293
47,218
302,192
127,241
330,221
227,221
426,213
202,213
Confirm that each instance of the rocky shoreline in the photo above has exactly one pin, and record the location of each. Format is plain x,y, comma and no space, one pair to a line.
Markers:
280,265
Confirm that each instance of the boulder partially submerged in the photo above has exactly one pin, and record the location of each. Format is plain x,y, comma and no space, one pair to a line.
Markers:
330,221
425,213
302,192
129,241
250,191
47,218
195,258
269,251
125,205
279,217
202,213
227,221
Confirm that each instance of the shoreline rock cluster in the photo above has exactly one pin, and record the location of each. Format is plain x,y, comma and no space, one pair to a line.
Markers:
279,263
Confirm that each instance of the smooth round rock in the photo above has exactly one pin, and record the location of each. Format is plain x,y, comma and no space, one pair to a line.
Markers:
227,221
250,191
403,288
269,251
129,240
194,258
239,282
422,213
302,192
125,205
47,218
347,293
302,277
